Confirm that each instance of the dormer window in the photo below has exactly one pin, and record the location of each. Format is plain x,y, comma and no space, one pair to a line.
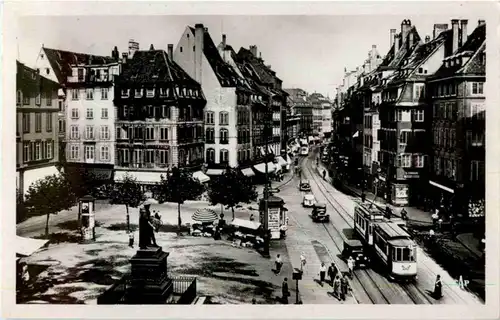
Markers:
452,63
138,93
177,90
125,93
150,93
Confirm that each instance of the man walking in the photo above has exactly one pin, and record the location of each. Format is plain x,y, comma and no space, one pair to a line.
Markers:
344,287
284,291
350,265
302,261
278,263
331,273
322,272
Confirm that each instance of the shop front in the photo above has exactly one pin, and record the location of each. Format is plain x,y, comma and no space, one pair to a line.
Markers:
147,179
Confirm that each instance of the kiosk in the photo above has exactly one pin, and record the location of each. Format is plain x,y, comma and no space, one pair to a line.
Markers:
276,215
86,217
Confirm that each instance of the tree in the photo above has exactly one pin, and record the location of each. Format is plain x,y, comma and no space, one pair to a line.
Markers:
178,187
49,196
129,193
230,189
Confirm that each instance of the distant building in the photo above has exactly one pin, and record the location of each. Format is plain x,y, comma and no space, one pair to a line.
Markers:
159,119
456,92
303,109
37,143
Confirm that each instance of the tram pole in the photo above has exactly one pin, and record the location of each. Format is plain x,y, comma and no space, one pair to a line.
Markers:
266,184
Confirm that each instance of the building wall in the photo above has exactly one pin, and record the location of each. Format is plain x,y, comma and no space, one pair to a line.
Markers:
43,64
326,118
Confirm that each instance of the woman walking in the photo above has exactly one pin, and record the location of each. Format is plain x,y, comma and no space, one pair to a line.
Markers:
336,287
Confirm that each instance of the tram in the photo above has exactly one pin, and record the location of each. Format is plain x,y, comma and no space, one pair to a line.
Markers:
387,242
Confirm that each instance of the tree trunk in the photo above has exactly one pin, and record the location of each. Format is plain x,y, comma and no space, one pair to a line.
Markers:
232,209
179,220
221,208
128,218
47,226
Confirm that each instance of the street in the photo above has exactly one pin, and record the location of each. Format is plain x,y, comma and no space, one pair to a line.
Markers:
368,285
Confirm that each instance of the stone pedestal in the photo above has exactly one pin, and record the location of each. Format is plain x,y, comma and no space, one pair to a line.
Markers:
149,283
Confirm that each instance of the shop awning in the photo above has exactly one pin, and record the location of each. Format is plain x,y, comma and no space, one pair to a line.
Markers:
141,177
246,224
440,186
261,167
281,161
27,246
248,172
215,172
201,176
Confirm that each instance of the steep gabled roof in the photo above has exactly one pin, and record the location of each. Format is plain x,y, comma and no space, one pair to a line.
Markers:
266,75
31,82
154,66
392,61
61,61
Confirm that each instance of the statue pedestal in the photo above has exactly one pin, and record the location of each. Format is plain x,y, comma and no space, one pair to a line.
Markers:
149,283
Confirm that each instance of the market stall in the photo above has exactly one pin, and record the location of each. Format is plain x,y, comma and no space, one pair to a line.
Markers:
206,224
246,233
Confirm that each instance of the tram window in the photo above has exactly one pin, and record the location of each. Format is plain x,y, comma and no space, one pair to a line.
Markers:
396,254
407,256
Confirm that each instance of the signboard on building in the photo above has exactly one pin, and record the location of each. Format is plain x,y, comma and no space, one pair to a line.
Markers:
411,174
400,194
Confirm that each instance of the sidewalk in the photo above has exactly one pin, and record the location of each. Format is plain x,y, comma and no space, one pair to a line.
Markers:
471,243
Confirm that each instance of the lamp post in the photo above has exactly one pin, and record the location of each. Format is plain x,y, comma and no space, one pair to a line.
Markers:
266,184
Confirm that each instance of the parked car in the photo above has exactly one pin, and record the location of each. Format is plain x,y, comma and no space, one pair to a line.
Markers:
355,249
305,186
319,213
308,201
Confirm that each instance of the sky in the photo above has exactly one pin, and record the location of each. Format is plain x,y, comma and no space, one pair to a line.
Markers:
308,52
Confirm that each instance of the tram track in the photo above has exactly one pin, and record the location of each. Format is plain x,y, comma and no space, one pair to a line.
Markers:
405,293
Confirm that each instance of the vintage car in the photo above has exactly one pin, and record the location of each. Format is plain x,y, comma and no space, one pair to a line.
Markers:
319,213
355,249
308,201
305,186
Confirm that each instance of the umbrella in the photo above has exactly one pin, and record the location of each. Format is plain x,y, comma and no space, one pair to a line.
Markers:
205,215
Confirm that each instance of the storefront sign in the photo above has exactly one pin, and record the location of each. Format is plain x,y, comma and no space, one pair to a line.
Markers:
411,175
400,194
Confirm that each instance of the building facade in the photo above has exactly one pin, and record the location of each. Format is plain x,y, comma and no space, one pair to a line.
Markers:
456,94
303,109
159,117
37,143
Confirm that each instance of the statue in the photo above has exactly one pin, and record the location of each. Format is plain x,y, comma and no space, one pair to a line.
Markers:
146,229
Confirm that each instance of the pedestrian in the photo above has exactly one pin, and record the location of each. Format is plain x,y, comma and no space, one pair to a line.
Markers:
251,217
344,287
131,239
404,214
331,273
440,224
350,265
336,287
322,273
435,217
284,291
302,261
324,174
278,263
438,288
283,229
388,212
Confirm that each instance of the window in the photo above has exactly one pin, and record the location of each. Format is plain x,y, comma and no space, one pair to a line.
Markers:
420,70
38,151
223,118
224,136
104,153
38,99
48,150
165,112
180,49
402,115
89,94
150,133
210,135
38,122
163,133
104,93
125,93
80,74
150,93
74,152
149,156
418,115
89,132
404,137
404,160
62,125
138,93
418,91
19,97
163,156
26,122
224,156
75,114
104,113
476,170
74,94
74,134
477,88
477,110
90,113
419,160
26,152
210,155
209,118
104,133
48,122
48,99
89,152
164,92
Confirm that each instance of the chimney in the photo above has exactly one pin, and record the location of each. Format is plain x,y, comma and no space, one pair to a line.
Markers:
405,29
438,28
224,42
392,34
151,47
481,22
396,44
253,50
124,57
463,32
132,48
455,30
90,60
410,40
170,51
199,34
115,54
427,39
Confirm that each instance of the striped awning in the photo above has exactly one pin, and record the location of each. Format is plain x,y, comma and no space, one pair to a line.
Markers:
205,215
142,177
248,172
200,176
261,167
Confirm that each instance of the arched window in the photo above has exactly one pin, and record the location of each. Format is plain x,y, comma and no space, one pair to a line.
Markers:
19,97
224,156
223,118
224,139
210,155
210,135
182,157
209,117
